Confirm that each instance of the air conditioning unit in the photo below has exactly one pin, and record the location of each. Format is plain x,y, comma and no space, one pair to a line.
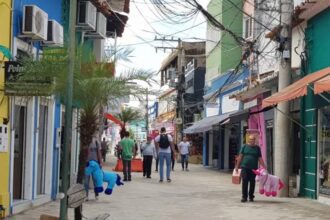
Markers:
86,18
35,22
101,28
55,34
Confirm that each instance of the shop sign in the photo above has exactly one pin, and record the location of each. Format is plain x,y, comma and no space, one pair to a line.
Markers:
13,70
14,87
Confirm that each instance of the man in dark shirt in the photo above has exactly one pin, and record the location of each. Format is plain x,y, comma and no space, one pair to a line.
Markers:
249,156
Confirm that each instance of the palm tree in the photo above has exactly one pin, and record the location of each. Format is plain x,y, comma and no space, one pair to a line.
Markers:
94,87
128,115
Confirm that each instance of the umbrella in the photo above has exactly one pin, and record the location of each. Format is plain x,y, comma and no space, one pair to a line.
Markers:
5,51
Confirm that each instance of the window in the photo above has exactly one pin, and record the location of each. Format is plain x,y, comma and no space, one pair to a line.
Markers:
247,29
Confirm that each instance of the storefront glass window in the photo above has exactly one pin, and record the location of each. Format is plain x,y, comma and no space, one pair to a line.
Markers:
324,151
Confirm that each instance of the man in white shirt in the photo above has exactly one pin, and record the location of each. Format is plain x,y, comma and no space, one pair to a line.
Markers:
148,151
184,146
164,143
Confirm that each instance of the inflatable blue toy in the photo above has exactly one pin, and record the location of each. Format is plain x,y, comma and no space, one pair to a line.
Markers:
99,176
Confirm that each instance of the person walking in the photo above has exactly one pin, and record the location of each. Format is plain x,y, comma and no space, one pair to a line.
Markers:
173,153
249,156
184,147
164,143
104,149
148,150
93,153
128,151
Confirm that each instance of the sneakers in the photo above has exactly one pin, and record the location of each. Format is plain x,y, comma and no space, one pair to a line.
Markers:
96,197
251,200
243,200
160,181
149,177
169,180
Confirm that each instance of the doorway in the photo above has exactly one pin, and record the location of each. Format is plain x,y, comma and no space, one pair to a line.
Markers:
234,140
19,151
42,149
270,146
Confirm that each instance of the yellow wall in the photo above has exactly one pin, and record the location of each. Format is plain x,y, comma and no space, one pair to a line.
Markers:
5,39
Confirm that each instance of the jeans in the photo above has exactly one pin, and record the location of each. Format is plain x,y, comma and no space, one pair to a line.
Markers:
184,160
147,163
167,157
248,177
127,167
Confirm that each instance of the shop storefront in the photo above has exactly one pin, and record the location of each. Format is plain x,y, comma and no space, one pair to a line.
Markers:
324,151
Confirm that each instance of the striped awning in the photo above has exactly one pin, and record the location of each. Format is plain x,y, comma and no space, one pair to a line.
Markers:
299,88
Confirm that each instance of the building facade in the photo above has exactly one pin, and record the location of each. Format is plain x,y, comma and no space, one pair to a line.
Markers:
33,118
5,42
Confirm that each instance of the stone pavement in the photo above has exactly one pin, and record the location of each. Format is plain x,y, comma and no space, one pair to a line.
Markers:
201,193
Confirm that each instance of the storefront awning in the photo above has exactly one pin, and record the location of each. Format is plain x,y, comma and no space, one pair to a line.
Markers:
322,85
298,88
205,124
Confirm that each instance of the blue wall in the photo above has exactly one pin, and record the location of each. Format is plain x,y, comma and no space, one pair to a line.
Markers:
52,7
54,10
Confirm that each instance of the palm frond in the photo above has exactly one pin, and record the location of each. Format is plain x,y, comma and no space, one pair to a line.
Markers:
129,115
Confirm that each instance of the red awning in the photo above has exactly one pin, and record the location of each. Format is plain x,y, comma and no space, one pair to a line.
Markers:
114,119
299,88
322,85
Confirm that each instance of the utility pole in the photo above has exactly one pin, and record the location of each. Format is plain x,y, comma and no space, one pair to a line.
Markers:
68,109
282,148
180,86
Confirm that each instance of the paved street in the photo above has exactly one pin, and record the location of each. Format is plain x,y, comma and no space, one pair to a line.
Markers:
201,193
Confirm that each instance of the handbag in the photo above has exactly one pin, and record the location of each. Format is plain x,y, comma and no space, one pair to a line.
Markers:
236,177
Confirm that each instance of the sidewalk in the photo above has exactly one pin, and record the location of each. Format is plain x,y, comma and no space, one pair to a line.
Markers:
199,194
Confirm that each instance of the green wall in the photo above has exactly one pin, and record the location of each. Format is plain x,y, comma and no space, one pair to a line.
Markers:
318,47
227,54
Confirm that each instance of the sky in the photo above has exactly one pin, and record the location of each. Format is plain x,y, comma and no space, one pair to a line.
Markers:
144,24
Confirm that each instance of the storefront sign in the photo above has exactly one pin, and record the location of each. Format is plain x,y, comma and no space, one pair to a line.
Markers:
15,87
13,70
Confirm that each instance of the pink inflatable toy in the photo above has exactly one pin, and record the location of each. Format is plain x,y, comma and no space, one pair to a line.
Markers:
268,184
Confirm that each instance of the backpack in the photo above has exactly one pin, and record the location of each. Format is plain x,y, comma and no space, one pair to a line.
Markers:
163,141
